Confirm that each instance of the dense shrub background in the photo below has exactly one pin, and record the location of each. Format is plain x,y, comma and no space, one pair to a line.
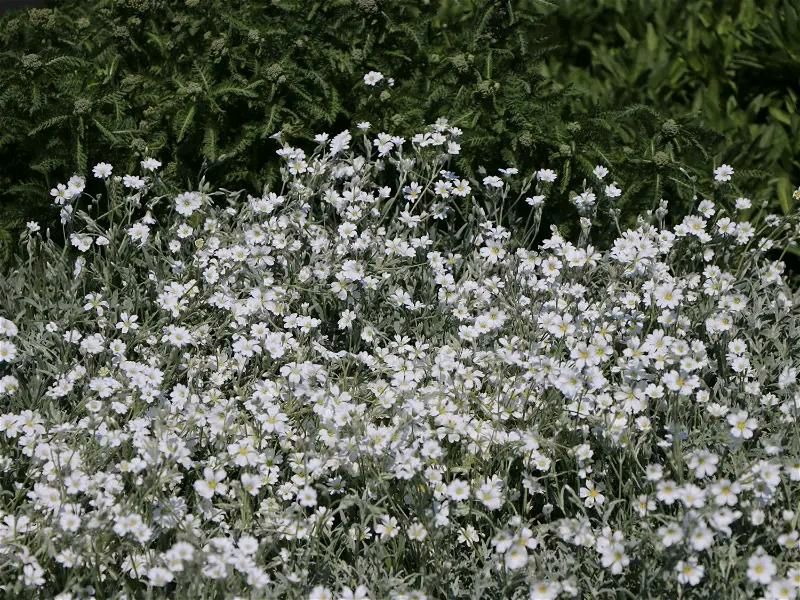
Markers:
735,64
203,84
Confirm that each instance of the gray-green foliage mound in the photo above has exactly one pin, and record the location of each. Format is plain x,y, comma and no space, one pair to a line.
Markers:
358,384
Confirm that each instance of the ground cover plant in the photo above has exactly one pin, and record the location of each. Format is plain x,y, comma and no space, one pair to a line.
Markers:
359,384
203,84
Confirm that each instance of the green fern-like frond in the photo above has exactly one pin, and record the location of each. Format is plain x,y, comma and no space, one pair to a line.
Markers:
48,123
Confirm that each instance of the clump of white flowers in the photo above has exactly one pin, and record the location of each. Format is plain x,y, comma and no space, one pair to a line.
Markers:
363,384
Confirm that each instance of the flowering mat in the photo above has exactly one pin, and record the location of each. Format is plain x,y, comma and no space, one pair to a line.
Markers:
361,384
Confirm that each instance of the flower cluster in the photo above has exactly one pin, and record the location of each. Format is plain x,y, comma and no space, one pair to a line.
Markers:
364,384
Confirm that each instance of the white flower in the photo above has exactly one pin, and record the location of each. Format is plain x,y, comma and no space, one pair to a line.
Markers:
585,199
76,185
81,242
211,484
412,191
614,558
8,351
346,319
177,335
544,590
668,296
461,188
127,322
8,328
490,494
787,378
133,181
701,538
307,497
547,175
387,528
66,214
742,425
416,532
320,593
600,171
782,589
458,490
372,78
188,202
612,191
102,170
493,181
667,492
8,385
60,194
150,164
591,495
340,142
159,577
360,593
442,188
761,568
689,572
723,173
516,557
535,201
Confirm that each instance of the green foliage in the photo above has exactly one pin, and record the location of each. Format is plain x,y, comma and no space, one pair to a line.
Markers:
733,64
88,80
